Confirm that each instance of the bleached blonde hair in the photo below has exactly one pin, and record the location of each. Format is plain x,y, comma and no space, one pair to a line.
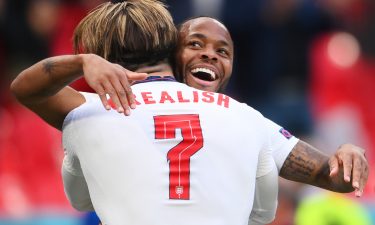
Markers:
130,33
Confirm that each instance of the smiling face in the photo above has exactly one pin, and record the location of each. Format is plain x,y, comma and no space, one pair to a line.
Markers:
204,56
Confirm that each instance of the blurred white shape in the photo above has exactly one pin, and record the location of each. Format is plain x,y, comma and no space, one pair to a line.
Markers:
15,203
343,49
341,124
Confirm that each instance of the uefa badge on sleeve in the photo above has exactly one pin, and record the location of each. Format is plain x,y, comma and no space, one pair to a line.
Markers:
285,133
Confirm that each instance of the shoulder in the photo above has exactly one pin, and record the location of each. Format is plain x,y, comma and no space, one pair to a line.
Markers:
91,105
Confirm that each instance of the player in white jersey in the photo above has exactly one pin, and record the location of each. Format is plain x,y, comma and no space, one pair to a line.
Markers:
196,36
166,163
299,149
205,39
157,158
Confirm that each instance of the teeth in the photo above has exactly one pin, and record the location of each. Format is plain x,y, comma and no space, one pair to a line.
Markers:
205,70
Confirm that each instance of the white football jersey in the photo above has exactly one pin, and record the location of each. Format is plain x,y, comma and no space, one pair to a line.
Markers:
183,156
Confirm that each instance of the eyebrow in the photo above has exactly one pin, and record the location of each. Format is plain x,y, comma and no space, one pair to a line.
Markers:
202,36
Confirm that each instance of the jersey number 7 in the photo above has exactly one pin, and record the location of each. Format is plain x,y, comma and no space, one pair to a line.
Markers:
179,156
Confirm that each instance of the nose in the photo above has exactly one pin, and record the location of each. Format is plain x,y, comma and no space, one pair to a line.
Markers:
208,54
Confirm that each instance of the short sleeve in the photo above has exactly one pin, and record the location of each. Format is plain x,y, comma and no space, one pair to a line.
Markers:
281,142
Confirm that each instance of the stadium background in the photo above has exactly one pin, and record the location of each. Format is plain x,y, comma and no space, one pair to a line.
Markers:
309,65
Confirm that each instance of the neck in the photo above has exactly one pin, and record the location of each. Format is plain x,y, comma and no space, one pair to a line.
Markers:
161,69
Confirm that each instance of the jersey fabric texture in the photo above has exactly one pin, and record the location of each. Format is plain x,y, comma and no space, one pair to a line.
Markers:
184,156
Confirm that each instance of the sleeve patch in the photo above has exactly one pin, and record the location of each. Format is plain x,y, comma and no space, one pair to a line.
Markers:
285,133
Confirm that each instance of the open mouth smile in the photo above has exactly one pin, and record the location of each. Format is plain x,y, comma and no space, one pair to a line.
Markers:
204,74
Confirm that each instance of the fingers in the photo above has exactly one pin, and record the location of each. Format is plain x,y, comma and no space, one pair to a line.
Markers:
362,182
111,90
358,192
127,92
360,174
357,169
113,80
123,94
126,78
133,76
119,90
348,165
334,166
355,166
103,97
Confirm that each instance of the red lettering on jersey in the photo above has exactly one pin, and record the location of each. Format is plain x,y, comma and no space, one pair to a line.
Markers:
166,97
209,97
181,98
223,100
147,98
195,96
135,100
112,104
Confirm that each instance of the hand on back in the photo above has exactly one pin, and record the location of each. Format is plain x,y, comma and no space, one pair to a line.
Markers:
111,79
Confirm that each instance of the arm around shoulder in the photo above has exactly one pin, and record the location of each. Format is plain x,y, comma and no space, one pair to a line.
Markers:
43,88
308,165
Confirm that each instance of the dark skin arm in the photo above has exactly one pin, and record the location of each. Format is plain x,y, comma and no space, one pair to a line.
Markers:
40,88
308,165
43,86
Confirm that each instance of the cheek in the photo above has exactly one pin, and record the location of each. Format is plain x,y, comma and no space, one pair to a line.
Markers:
180,60
228,66
184,62
185,57
182,65
189,80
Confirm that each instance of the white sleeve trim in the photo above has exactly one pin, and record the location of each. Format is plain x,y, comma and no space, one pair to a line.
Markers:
282,153
280,141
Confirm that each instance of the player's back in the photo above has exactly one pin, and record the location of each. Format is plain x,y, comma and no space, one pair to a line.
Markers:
183,157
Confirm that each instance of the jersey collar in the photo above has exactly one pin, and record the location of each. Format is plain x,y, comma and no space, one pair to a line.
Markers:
155,78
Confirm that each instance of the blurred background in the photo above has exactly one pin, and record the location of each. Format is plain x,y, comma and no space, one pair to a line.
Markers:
308,65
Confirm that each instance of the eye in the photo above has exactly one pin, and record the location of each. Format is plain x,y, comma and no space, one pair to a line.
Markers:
223,51
195,44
